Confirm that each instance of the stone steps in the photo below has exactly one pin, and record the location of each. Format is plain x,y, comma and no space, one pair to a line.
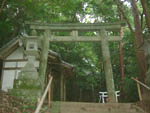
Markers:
80,107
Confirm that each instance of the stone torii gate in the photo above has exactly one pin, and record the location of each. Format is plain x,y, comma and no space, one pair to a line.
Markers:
74,29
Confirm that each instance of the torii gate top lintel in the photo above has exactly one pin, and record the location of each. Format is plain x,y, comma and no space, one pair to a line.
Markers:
76,26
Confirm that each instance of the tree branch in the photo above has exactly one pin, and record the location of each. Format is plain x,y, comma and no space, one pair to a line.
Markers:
3,2
119,5
147,13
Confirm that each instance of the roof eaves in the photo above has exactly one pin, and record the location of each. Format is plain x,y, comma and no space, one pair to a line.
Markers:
4,50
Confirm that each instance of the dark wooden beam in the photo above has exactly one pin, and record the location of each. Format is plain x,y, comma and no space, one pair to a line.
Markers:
14,68
15,60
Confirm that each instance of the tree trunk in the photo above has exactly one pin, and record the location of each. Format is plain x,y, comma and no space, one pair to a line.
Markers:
2,6
93,93
119,5
139,41
122,63
137,34
80,96
147,13
121,52
62,87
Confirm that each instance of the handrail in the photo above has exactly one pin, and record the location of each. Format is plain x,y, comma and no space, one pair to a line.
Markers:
43,96
144,85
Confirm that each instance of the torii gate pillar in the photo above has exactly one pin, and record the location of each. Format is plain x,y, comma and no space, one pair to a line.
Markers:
107,67
43,59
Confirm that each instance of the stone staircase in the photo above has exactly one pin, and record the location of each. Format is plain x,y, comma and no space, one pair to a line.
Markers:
78,107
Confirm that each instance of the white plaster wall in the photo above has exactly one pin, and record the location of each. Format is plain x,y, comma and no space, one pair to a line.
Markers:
21,64
10,64
8,79
8,76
